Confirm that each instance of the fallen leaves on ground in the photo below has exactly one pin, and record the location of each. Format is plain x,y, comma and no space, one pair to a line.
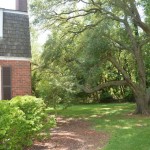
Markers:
73,134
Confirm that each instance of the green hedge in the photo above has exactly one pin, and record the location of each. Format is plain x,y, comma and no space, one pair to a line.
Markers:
22,119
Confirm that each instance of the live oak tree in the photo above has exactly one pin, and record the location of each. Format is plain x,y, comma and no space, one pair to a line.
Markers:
122,26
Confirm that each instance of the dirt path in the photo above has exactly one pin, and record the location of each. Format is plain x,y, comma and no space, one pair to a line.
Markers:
73,134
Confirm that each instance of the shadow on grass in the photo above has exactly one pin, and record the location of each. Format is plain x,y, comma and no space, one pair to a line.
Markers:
127,131
89,111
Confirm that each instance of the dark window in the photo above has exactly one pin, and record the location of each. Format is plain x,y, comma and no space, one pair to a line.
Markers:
6,83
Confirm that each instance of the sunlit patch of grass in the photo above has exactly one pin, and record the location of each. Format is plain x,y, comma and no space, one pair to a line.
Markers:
127,132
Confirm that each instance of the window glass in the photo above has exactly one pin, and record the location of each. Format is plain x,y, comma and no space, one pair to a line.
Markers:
6,83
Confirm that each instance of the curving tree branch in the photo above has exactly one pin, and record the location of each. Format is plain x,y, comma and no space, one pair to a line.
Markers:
102,86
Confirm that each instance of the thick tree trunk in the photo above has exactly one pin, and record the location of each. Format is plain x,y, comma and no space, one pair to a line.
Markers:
142,102
142,107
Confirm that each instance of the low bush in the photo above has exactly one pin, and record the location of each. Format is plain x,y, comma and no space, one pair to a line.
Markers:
23,119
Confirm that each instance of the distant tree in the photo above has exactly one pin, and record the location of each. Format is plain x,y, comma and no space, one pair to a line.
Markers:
51,79
35,62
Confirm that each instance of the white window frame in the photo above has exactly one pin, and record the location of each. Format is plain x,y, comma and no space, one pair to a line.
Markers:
1,23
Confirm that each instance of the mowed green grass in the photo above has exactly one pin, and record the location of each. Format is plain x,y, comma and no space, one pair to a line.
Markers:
126,131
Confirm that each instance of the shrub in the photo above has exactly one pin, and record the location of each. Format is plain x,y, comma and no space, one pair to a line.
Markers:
106,97
22,119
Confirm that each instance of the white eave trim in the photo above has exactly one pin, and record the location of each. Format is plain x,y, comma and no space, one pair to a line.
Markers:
15,58
1,23
15,12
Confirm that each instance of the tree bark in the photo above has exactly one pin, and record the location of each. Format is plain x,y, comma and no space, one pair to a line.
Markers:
142,98
142,106
89,90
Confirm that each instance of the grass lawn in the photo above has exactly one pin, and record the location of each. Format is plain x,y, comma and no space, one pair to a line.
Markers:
127,132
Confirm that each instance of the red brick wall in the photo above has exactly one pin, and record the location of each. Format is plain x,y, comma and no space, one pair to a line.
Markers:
21,76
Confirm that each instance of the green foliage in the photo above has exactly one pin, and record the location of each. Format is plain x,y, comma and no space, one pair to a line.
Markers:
53,81
146,10
12,122
106,96
94,43
56,89
22,120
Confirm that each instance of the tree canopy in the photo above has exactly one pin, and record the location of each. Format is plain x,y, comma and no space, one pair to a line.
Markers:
89,37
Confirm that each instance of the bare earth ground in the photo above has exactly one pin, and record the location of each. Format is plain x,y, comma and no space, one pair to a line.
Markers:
73,134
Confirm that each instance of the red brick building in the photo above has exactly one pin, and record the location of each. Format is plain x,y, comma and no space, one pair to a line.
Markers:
15,51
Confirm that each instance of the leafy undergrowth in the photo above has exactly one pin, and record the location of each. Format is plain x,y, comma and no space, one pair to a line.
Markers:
22,120
127,132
